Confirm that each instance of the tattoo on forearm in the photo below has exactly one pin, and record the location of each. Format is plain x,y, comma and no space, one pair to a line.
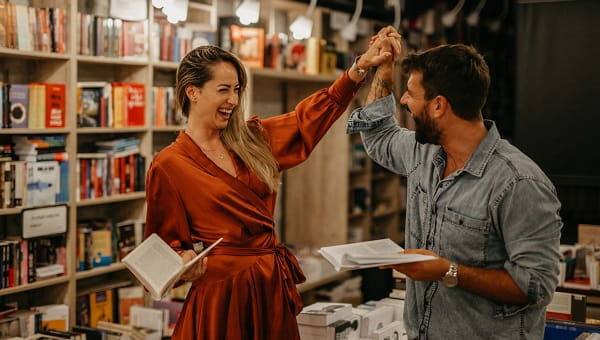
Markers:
379,89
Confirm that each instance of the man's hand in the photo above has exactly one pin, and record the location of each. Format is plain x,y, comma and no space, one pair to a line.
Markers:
197,270
389,32
383,49
431,270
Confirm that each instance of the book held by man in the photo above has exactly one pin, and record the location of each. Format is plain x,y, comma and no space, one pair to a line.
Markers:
368,254
158,266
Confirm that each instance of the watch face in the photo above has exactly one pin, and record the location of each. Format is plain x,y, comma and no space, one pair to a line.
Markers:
450,281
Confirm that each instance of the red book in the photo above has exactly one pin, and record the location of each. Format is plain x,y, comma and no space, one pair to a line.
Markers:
122,175
131,173
135,95
55,105
82,185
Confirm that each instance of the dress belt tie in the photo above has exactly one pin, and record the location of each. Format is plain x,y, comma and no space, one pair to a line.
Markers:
287,264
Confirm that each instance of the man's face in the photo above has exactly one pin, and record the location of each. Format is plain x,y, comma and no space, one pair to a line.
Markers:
413,101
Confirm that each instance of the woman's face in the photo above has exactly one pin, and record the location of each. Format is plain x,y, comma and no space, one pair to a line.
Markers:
215,101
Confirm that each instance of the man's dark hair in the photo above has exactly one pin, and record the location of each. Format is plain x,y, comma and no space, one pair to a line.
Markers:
457,72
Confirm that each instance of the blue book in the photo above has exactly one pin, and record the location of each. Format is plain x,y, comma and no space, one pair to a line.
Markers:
18,97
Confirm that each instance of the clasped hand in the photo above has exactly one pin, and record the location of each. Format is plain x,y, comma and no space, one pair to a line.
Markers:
383,47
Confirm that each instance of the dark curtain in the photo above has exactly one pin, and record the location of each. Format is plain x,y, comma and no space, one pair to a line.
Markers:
557,121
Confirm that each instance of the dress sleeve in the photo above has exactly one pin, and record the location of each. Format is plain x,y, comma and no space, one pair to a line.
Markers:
294,135
166,214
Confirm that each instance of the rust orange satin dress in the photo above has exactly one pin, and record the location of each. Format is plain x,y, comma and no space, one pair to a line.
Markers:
249,289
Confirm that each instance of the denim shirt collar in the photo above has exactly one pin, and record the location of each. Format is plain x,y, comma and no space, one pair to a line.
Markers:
480,158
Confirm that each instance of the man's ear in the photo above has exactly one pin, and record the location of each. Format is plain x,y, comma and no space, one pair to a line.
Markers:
440,106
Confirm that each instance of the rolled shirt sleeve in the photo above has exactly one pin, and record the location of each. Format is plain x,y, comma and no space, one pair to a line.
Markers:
529,213
385,141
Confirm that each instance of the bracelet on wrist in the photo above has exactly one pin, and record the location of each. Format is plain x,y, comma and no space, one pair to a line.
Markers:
361,71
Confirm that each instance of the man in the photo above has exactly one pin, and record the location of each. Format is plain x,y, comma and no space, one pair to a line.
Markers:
480,206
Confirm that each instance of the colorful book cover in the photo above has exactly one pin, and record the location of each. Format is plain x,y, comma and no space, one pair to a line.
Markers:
83,310
101,307
43,183
128,297
249,45
102,248
135,103
55,105
134,39
18,96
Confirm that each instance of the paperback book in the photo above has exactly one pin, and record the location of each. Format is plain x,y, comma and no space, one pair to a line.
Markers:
158,266
368,254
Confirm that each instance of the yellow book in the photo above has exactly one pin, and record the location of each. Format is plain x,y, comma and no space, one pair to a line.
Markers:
101,307
118,106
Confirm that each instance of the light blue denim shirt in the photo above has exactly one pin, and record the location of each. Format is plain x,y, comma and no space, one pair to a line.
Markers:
498,211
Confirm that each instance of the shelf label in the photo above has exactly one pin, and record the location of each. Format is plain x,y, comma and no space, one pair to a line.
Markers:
44,221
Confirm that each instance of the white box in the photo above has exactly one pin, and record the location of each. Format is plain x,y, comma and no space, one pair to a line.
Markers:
375,319
392,331
338,330
324,313
398,306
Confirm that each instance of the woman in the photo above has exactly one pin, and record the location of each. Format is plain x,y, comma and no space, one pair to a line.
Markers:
219,179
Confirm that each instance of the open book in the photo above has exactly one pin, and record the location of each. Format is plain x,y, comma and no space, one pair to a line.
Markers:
368,254
157,266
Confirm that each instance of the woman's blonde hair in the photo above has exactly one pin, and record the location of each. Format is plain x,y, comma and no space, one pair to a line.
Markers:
248,143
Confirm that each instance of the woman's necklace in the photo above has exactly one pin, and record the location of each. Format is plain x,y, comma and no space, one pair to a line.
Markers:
219,155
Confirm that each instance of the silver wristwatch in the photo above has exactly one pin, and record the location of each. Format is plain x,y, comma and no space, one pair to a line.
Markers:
450,279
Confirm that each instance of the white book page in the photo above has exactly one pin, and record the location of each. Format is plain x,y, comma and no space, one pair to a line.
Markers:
154,263
368,254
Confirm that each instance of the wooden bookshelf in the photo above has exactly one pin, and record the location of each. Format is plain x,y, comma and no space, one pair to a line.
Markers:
112,199
99,271
36,285
319,186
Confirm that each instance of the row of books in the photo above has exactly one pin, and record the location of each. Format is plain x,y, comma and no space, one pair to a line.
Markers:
121,303
52,322
32,29
106,174
110,104
112,37
28,184
31,323
24,261
164,109
33,105
102,242
172,42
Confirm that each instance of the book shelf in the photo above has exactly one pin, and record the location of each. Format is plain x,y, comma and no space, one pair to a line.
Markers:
312,206
69,68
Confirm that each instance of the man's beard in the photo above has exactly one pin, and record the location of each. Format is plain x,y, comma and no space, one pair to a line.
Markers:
426,130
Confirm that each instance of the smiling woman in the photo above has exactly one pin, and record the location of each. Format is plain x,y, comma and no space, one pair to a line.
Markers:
220,179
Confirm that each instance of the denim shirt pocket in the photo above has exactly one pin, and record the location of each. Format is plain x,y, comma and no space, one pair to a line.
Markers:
417,216
464,239
503,311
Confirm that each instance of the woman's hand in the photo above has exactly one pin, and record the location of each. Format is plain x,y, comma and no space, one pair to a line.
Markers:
390,32
387,40
384,48
197,270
